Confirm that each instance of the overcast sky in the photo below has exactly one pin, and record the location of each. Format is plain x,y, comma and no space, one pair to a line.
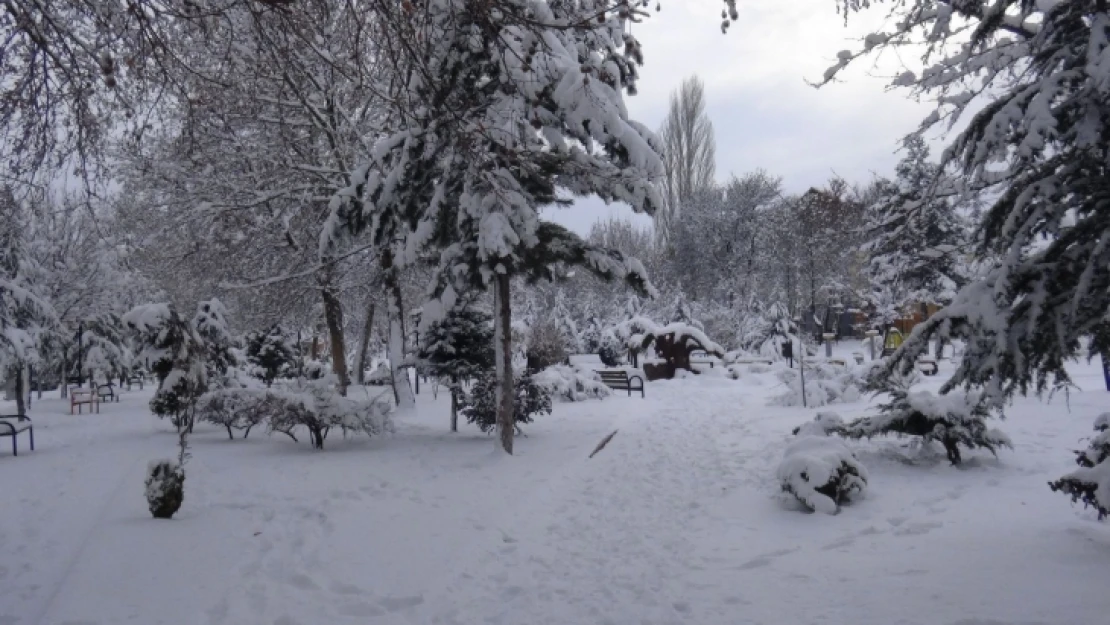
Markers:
763,112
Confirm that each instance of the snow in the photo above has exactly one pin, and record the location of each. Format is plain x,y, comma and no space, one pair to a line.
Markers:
679,519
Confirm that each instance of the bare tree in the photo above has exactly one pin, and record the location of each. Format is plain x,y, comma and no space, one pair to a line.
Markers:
689,152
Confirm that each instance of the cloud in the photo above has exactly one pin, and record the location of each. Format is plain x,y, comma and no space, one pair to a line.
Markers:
764,114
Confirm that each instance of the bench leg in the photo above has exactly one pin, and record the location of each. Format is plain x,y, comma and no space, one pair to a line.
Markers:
31,433
15,451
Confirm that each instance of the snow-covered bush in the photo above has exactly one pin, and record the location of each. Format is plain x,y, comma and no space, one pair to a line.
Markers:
610,349
1090,484
234,409
479,406
165,481
165,488
546,344
825,384
952,420
570,383
318,407
824,424
821,472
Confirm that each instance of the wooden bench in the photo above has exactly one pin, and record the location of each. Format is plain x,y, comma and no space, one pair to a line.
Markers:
107,392
621,381
927,366
81,396
135,379
11,425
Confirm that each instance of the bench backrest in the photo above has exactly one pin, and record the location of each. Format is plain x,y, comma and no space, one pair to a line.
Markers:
614,377
81,395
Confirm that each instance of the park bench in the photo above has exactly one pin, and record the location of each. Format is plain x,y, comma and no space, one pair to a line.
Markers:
81,396
702,358
621,381
107,392
753,361
927,366
11,425
135,379
837,361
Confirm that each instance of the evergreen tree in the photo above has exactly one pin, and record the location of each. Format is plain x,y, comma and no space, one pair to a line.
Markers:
954,420
458,348
1090,483
1037,151
914,234
508,110
177,357
210,323
480,406
272,352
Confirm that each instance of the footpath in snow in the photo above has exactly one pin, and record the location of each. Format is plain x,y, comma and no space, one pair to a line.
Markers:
677,520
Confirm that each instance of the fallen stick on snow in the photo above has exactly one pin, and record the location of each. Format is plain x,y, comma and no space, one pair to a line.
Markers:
603,443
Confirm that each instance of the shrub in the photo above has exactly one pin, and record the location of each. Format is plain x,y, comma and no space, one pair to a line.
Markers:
546,345
952,420
479,406
570,384
234,409
825,384
165,488
822,473
1090,484
824,424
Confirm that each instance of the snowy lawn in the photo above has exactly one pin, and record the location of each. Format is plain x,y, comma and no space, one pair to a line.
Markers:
678,520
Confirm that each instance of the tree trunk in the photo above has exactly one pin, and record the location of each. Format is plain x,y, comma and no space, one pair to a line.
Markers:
364,342
454,405
20,389
333,315
503,348
402,392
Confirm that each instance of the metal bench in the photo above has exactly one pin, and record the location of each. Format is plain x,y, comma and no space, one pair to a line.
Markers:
81,396
11,425
107,392
621,381
135,379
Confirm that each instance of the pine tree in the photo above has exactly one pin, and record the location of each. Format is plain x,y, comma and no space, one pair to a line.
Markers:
211,325
272,352
954,420
915,234
507,110
1037,150
458,348
1090,483
177,357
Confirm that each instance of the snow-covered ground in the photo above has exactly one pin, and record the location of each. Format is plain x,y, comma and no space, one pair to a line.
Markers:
678,520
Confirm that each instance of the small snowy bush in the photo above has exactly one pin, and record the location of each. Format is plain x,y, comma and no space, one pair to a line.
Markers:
953,420
234,409
571,384
825,384
479,406
165,488
824,424
822,473
1090,484
312,404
